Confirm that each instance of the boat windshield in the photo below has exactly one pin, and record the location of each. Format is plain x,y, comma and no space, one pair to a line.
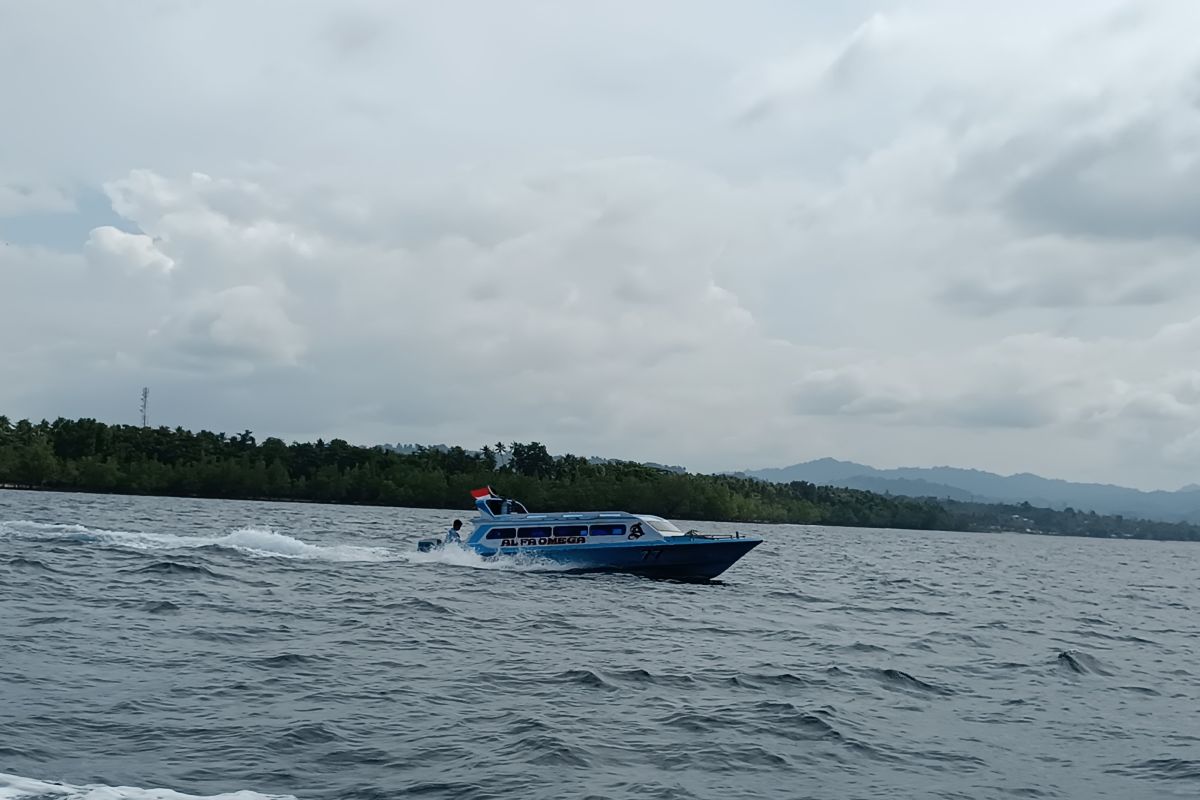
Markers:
661,525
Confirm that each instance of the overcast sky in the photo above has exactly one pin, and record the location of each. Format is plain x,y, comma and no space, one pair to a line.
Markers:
725,235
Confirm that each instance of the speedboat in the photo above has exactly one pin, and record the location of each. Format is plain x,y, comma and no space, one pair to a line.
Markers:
597,541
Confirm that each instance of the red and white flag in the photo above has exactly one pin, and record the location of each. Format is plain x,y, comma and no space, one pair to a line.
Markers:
485,492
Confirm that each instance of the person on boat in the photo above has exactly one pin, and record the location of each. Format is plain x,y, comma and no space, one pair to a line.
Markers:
452,534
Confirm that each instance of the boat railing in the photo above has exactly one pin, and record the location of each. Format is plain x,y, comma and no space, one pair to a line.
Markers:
698,535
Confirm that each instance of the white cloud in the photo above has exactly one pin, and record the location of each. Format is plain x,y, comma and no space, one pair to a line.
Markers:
133,252
244,325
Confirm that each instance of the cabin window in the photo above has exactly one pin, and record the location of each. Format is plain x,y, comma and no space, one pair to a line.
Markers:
570,530
608,530
661,525
534,533
501,533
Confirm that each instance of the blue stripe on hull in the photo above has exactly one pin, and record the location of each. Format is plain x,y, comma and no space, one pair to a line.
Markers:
706,559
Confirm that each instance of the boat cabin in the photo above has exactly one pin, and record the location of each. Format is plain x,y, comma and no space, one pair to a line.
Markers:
507,523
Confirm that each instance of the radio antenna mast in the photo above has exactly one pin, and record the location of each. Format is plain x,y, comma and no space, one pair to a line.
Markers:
145,406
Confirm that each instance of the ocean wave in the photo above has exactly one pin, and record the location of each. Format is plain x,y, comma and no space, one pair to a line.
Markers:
898,679
777,719
1082,663
160,607
307,734
803,597
1176,769
286,660
54,620
355,758
585,677
178,568
29,564
14,787
547,751
643,677
417,604
768,680
461,790
730,758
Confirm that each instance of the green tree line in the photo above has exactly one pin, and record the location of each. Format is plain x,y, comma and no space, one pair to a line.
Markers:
1065,522
87,455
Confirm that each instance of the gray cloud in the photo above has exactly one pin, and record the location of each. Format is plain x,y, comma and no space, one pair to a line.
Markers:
17,199
1086,276
1001,410
354,32
846,392
1135,183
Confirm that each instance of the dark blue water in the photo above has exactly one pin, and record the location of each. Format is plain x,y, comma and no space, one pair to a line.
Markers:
211,647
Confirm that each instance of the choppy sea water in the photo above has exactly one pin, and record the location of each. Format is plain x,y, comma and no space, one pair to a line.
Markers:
160,648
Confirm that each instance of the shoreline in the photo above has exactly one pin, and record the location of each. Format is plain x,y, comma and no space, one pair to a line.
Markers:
62,490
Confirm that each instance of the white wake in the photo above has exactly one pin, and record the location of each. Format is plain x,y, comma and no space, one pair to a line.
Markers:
248,540
265,543
456,556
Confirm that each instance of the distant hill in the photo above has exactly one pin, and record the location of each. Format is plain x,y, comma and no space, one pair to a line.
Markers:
972,485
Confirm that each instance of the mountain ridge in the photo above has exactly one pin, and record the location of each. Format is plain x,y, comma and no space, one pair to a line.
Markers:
969,484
